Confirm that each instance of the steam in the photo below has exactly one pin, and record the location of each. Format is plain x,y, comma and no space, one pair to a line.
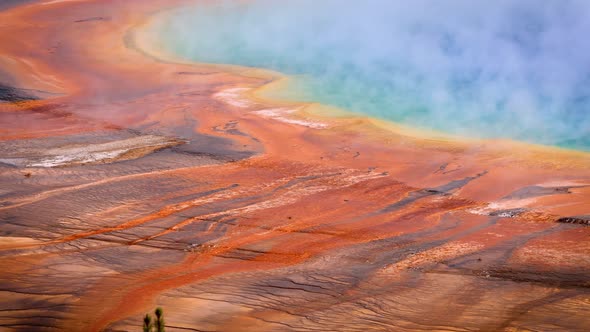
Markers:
505,69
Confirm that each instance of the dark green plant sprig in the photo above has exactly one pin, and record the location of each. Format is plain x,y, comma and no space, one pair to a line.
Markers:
159,320
147,323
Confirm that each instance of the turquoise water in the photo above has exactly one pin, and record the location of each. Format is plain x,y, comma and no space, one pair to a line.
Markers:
511,69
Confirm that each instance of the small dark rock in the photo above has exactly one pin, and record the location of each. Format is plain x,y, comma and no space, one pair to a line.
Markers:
580,220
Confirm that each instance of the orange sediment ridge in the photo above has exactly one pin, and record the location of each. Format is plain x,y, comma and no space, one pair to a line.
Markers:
238,213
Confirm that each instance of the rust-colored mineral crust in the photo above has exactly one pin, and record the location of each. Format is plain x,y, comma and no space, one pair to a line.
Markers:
129,182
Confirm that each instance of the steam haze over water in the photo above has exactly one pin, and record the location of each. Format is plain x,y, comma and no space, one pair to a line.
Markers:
501,69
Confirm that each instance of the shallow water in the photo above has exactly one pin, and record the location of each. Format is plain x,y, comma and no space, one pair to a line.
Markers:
511,69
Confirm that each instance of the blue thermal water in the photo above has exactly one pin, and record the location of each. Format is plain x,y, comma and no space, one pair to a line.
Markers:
503,69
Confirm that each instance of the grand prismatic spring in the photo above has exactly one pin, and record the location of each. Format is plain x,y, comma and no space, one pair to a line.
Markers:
300,165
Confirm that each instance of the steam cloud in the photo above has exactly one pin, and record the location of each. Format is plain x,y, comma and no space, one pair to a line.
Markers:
507,68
